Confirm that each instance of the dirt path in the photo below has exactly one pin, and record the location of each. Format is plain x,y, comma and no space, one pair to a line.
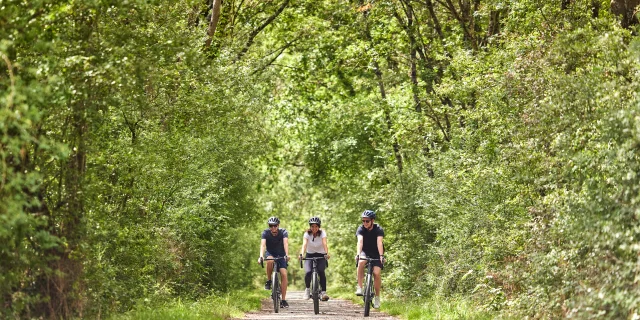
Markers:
303,309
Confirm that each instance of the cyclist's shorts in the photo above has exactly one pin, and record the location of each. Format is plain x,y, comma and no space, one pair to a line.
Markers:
280,263
375,263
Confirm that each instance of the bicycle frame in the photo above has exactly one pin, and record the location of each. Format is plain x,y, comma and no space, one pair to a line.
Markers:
368,291
275,284
315,282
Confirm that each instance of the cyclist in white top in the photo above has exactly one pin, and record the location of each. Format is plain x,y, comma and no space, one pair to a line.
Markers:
314,243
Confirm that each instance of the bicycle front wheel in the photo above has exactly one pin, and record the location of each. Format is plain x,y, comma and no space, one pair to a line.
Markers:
275,292
315,293
367,295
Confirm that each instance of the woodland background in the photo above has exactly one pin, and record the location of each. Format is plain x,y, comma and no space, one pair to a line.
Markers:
144,144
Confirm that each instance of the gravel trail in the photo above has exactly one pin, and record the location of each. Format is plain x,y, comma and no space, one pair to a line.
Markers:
334,309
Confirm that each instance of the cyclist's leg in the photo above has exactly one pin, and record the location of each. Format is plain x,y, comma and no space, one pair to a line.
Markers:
307,279
269,268
377,281
282,265
361,264
323,280
322,264
283,275
307,270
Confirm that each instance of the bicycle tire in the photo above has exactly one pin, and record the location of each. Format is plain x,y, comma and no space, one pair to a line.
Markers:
315,293
275,292
367,295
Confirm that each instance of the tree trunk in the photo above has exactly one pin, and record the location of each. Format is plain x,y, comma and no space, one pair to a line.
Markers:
595,9
625,9
494,23
436,21
215,17
383,95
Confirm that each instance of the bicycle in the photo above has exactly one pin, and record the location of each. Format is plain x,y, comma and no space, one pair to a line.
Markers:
315,282
368,291
275,283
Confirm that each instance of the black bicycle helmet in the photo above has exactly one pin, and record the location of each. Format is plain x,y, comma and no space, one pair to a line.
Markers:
315,220
273,221
368,214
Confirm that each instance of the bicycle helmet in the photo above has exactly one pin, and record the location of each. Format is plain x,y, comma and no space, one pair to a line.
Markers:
315,220
273,221
368,214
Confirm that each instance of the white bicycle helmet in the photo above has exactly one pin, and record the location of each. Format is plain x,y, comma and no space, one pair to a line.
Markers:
368,214
273,221
315,220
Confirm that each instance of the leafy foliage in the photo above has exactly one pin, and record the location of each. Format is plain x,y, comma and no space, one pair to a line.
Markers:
510,120
497,140
127,154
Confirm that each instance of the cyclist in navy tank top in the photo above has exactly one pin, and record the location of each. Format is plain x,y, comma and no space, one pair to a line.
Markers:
274,243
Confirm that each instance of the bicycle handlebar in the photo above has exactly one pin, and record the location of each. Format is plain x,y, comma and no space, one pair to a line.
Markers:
314,258
267,259
368,259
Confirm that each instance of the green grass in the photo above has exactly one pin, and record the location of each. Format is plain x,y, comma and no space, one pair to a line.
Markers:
422,309
434,308
214,307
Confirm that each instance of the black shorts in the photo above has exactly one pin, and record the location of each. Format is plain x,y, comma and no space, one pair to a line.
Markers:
376,263
280,263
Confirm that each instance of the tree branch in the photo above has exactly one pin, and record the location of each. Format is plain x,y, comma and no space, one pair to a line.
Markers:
436,22
255,32
11,79
280,51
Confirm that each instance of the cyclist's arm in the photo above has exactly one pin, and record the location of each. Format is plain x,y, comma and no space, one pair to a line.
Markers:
305,241
263,247
286,246
359,245
324,244
380,247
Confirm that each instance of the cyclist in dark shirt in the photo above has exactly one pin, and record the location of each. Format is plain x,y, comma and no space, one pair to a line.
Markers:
370,236
276,243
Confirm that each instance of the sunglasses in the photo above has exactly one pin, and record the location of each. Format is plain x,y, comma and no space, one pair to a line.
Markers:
366,221
273,226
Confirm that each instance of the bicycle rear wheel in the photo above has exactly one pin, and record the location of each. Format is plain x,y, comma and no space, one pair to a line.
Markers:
275,292
315,293
367,295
